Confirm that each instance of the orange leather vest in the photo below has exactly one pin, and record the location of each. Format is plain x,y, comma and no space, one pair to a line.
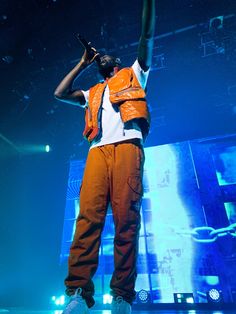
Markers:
126,92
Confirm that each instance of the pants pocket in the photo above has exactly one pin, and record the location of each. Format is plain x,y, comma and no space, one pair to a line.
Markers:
140,158
136,187
136,190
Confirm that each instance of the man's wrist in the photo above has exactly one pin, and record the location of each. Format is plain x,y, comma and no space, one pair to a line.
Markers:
83,64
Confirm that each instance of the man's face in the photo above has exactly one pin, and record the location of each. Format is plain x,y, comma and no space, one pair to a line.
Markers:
107,64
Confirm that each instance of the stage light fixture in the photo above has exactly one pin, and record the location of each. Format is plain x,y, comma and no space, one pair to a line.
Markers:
143,296
184,298
47,148
214,296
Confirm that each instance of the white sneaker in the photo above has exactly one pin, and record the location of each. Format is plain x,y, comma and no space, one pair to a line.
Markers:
76,305
120,306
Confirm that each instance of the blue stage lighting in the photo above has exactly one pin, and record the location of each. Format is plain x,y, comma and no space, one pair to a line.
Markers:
47,148
190,300
107,299
143,296
58,300
184,298
214,296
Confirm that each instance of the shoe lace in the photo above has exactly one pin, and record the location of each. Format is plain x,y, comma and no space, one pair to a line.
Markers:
75,298
119,299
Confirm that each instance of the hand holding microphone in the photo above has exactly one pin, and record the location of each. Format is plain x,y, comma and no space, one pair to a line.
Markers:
91,53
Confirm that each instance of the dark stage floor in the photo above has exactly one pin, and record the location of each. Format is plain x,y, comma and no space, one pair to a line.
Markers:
162,311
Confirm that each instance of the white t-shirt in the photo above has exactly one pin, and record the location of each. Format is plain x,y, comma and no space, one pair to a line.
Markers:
113,128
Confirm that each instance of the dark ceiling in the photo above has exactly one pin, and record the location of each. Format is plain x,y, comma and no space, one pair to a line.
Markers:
38,46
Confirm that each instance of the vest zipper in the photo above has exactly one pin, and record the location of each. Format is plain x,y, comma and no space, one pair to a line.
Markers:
126,90
89,114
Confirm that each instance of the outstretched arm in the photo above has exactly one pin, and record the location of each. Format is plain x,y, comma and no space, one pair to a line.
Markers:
64,90
147,34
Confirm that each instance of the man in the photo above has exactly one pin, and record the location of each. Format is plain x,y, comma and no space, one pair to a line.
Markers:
117,121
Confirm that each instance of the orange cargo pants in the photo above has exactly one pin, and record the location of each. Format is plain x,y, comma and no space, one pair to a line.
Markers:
113,174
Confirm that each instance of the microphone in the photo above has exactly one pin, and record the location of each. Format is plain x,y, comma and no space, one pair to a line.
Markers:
87,46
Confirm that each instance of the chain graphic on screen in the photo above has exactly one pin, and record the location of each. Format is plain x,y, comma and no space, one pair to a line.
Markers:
207,234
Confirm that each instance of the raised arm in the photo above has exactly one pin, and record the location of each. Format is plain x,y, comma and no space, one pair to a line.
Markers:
64,90
147,34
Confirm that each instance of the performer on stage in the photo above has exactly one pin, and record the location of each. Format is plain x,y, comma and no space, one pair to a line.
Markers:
117,122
